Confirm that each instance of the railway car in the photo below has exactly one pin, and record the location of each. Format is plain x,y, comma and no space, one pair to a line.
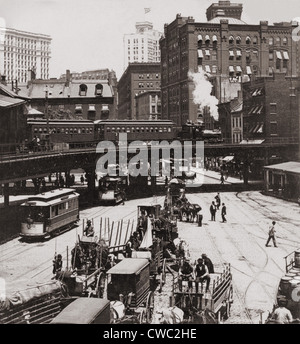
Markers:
111,190
109,130
49,213
73,133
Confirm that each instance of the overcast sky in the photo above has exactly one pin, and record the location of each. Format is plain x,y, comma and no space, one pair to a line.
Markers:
88,34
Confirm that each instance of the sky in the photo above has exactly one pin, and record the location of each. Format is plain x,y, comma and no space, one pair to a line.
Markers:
88,34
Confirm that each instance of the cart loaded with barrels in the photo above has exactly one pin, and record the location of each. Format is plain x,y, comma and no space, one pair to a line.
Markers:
289,285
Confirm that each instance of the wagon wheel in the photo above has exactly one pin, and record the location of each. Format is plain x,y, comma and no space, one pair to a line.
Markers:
229,301
100,286
162,280
142,317
149,307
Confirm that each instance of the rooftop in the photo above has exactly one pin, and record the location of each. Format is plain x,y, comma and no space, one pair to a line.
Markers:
291,166
234,21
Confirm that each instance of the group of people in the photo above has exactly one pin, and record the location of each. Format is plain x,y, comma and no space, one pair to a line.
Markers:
200,273
215,206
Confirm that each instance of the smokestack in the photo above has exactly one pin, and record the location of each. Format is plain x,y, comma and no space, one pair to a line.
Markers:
68,77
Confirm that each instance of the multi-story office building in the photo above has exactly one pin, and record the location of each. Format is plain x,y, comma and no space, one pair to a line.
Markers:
148,105
21,51
227,49
143,45
137,78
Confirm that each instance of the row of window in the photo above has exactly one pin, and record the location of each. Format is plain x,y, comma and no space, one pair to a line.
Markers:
83,89
63,130
138,130
62,208
141,76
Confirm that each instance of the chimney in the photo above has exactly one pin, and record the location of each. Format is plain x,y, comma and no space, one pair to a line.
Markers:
3,80
68,77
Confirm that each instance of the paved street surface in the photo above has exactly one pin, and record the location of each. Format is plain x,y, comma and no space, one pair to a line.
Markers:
241,241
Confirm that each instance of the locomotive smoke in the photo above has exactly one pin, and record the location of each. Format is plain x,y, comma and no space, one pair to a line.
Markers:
202,93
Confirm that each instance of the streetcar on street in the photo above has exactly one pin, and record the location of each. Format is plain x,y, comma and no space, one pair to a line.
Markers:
47,214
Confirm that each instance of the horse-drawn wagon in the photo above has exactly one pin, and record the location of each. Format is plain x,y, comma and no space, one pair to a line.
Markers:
129,283
199,305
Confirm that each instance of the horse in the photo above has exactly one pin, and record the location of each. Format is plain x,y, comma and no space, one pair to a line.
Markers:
204,316
171,315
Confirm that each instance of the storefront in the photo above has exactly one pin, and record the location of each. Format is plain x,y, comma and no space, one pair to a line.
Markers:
283,180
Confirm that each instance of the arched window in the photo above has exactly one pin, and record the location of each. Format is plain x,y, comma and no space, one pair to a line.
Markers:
278,40
82,90
238,40
284,41
231,40
248,40
271,41
98,90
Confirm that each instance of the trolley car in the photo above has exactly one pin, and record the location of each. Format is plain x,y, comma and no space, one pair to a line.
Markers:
111,190
49,213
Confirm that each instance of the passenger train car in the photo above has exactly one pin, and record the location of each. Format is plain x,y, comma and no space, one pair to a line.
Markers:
109,130
47,213
71,132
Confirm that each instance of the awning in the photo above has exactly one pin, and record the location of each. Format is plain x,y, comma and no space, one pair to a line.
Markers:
231,53
92,108
251,110
200,53
256,128
261,128
207,53
260,109
228,158
207,38
285,55
199,37
104,107
248,69
215,39
231,69
239,69
207,69
255,142
238,53
278,55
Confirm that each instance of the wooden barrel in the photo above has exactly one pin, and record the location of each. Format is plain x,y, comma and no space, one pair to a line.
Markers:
297,258
293,283
285,285
291,275
294,271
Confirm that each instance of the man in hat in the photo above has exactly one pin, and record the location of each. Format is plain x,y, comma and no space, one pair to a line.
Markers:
202,274
272,232
281,314
89,229
57,264
208,263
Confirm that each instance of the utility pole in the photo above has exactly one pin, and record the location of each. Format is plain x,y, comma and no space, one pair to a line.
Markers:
46,108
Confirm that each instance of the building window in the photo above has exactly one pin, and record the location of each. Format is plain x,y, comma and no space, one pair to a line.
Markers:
214,69
271,41
271,55
284,41
98,90
231,40
214,55
238,40
273,108
231,54
82,90
254,40
238,54
273,128
248,40
278,40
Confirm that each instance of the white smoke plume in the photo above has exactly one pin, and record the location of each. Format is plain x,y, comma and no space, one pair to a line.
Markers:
202,93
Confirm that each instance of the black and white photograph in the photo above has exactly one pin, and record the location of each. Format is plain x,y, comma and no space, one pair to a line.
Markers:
149,164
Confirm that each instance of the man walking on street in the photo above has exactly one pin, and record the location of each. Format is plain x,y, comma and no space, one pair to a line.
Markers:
218,200
272,232
223,212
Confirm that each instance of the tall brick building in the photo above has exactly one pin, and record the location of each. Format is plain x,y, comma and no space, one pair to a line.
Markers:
271,109
137,78
227,49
